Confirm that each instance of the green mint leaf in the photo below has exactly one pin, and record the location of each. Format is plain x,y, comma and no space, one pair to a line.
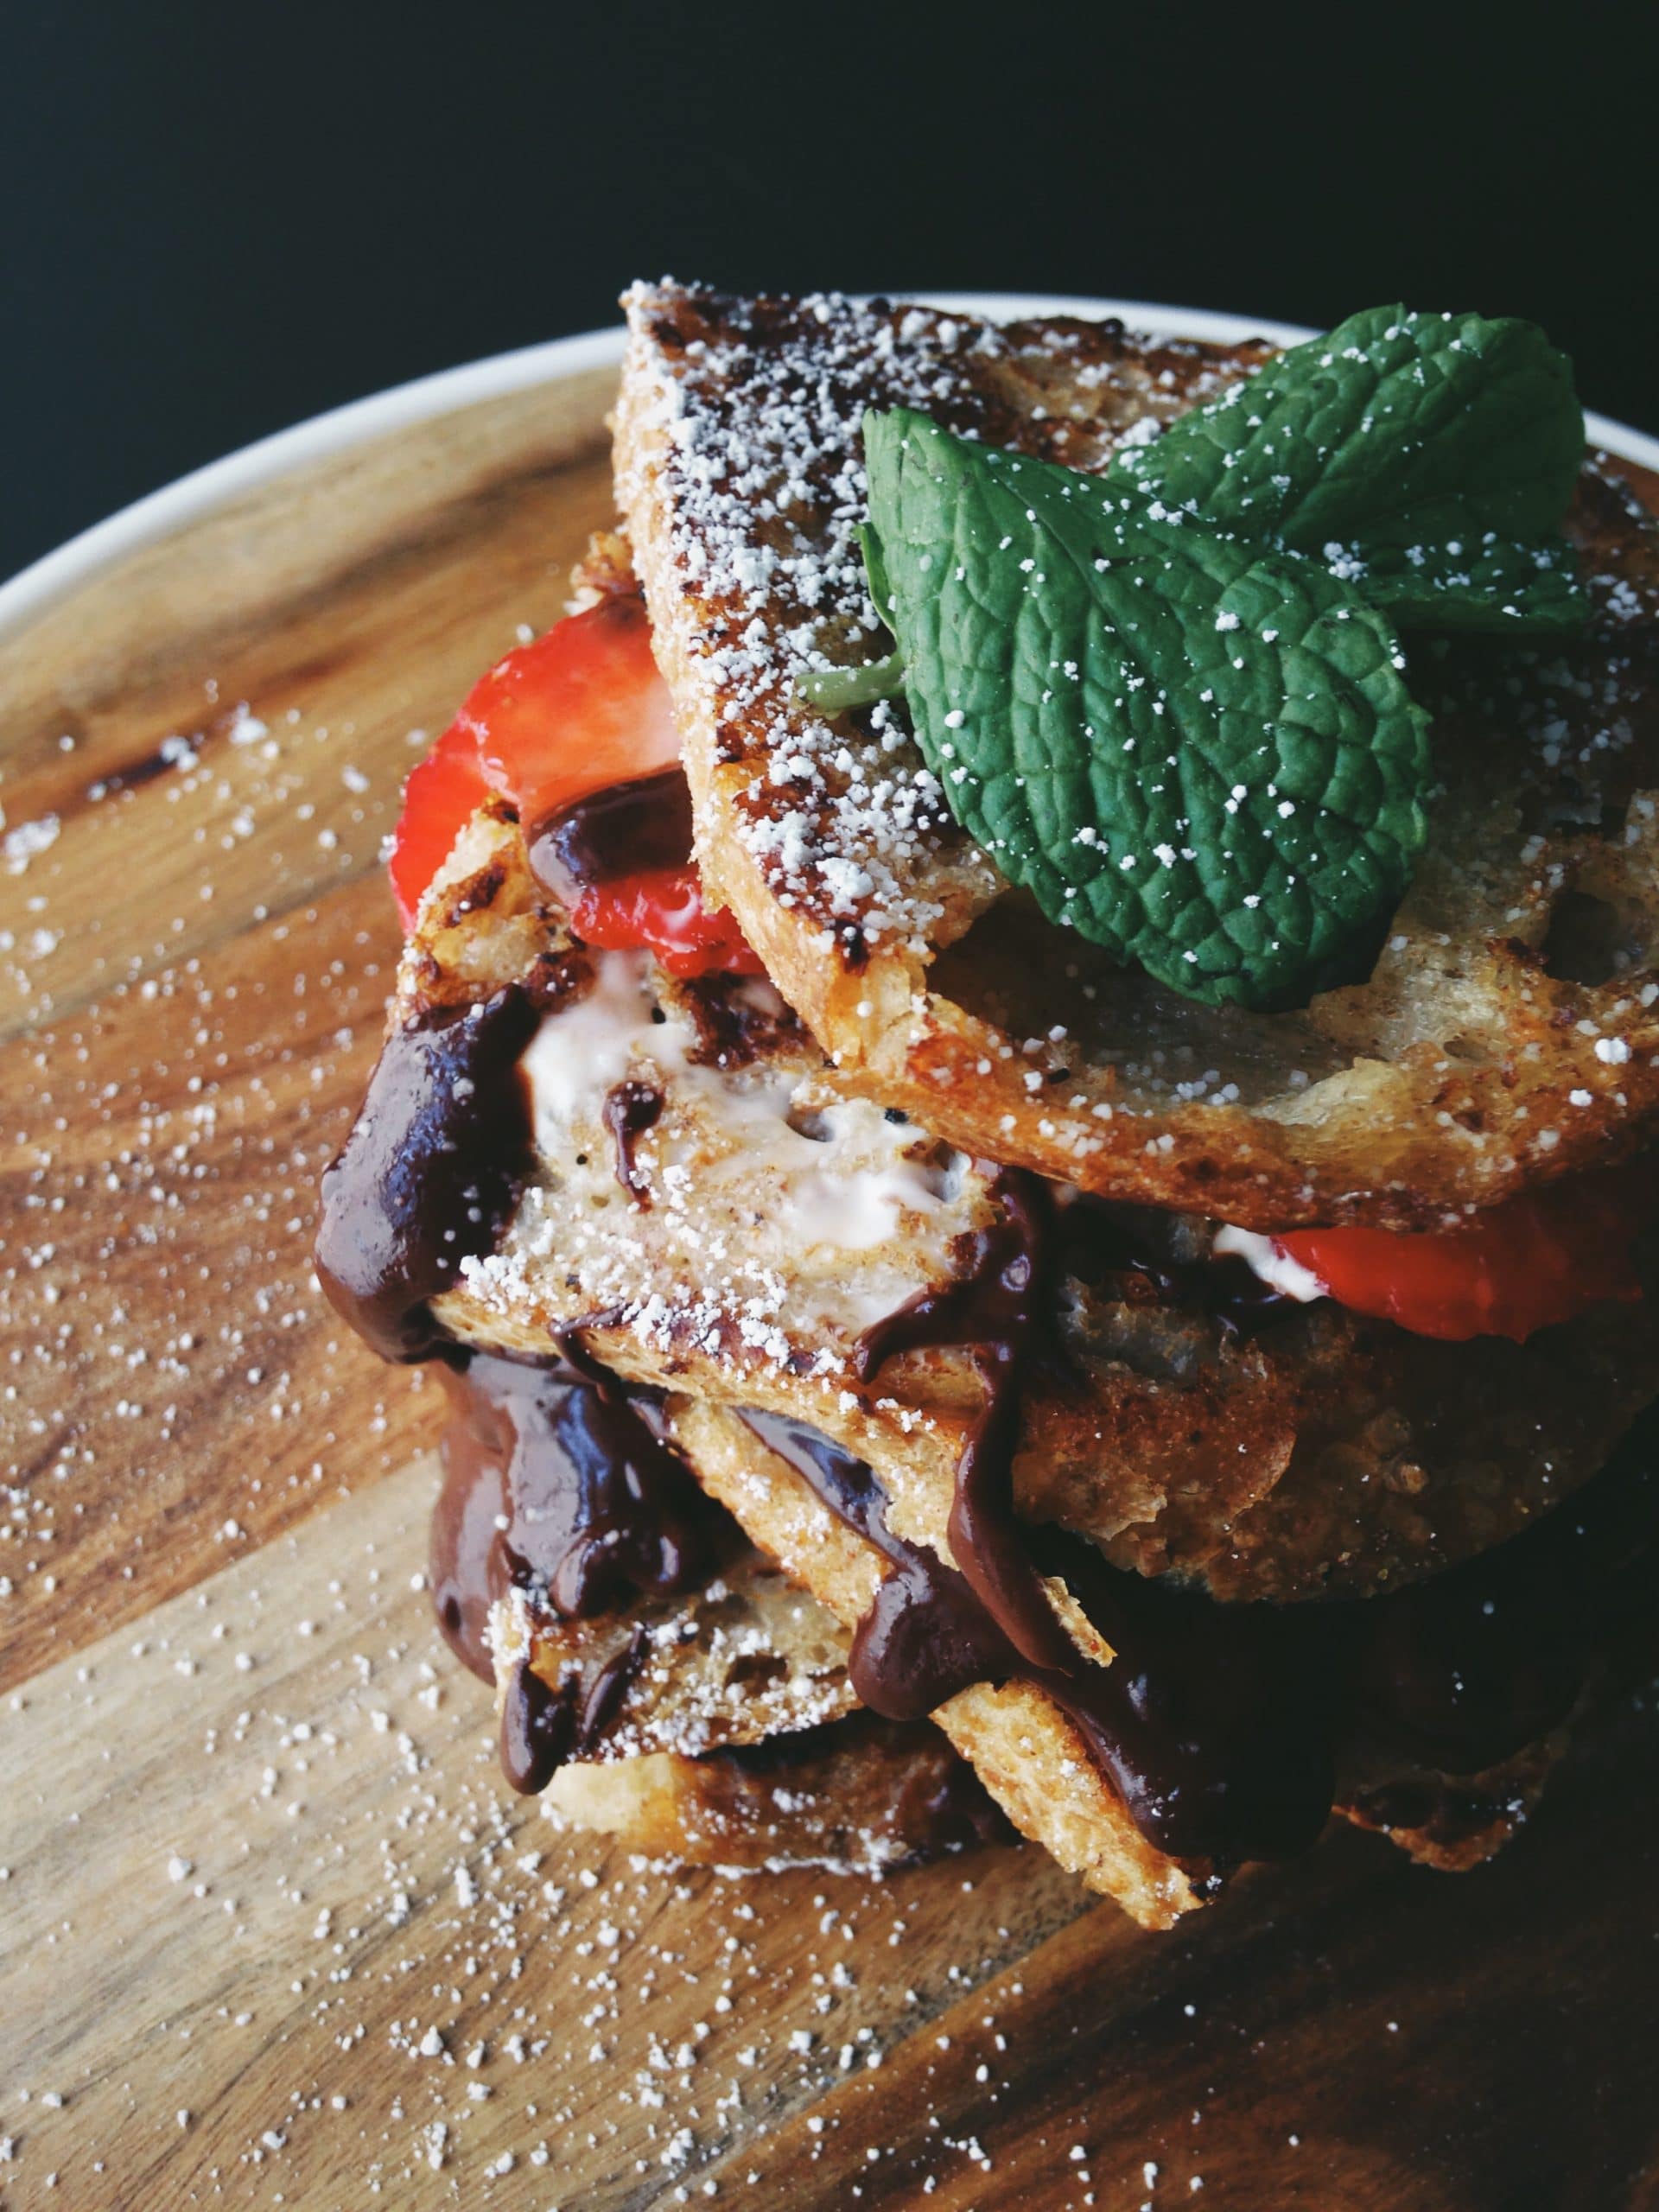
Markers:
876,576
1394,431
1494,586
835,689
1198,751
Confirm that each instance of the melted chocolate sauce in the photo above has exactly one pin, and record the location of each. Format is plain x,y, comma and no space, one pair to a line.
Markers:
1220,1725
999,1311
631,1108
559,1483
622,830
927,1634
541,1727
431,1170
536,1728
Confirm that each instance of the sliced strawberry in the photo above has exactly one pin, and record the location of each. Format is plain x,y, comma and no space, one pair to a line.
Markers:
662,910
439,800
1534,1260
576,711
580,710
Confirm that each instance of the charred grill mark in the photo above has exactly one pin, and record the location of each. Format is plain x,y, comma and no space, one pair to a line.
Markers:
476,896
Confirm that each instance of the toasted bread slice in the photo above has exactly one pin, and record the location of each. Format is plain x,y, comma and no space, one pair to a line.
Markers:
1022,1747
862,1795
1509,1030
1325,1454
746,1656
1029,1754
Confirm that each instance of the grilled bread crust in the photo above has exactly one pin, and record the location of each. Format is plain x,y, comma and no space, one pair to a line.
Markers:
1508,1031
861,1794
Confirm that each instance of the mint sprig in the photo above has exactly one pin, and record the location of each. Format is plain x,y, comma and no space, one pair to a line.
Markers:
1170,699
1199,750
835,689
1431,457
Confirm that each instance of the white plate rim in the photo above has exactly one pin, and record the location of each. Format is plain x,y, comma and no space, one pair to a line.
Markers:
159,514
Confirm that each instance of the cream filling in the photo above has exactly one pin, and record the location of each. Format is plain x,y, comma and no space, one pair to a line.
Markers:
848,1187
581,1053
1263,1256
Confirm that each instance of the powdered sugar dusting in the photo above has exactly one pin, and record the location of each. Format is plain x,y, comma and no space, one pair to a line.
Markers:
752,411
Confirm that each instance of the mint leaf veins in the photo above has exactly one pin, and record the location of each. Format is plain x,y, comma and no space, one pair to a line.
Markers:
1428,458
1196,748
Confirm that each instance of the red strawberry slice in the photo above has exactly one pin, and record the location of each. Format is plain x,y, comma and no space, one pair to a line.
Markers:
1534,1260
662,909
439,800
576,711
579,710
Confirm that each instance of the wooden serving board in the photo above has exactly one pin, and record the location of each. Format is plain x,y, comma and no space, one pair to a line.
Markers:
273,1929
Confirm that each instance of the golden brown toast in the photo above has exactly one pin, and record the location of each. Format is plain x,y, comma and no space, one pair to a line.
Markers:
1509,1030
1323,1455
743,1656
1028,1752
861,1794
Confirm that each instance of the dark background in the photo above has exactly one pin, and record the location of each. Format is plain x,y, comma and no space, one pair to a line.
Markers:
219,217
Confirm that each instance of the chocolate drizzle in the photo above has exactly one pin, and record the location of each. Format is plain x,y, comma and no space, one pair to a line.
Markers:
927,1634
997,1311
541,1727
624,830
631,1108
534,1737
431,1171
1001,1311
1221,1726
562,1486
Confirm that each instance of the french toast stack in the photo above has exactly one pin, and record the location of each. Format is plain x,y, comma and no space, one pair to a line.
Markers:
881,1403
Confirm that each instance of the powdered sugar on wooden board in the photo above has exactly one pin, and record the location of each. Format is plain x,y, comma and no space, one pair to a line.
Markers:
267,1841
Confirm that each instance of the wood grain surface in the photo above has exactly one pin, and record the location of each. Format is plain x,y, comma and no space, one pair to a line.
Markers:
273,1930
